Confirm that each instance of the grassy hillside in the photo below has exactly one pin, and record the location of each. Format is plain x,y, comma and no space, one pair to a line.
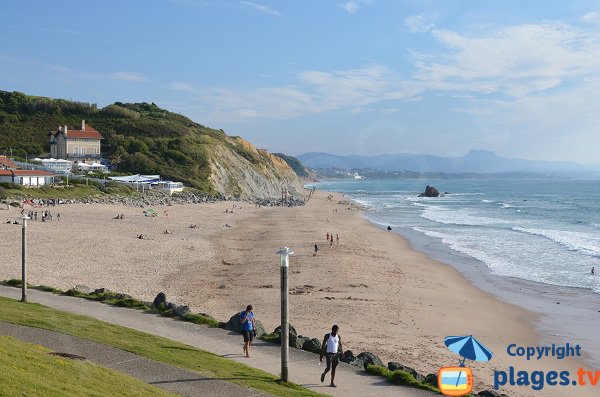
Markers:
139,138
28,370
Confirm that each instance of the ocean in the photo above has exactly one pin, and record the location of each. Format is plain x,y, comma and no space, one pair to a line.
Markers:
544,231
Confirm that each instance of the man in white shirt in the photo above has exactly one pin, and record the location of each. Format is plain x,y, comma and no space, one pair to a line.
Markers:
331,349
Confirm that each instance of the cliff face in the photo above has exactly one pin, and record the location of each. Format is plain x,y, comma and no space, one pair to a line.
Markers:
143,138
264,175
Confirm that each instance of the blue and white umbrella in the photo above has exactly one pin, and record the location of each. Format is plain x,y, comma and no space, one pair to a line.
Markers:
468,348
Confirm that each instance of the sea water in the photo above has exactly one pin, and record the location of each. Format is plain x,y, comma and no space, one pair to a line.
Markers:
546,231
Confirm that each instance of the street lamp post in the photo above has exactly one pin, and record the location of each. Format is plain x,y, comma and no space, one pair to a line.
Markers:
284,257
24,258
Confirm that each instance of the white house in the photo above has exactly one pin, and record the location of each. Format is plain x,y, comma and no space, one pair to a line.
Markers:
27,177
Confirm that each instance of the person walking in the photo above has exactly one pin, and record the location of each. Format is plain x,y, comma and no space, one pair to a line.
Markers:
316,250
247,320
331,349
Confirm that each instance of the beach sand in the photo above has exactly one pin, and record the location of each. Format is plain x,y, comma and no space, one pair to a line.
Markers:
386,297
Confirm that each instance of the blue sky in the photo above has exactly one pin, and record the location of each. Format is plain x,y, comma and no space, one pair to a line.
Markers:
521,78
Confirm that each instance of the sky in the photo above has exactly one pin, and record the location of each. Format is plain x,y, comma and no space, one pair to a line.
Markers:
520,78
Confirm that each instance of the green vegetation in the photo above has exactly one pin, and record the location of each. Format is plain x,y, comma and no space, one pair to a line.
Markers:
139,137
50,192
399,377
28,370
146,345
294,163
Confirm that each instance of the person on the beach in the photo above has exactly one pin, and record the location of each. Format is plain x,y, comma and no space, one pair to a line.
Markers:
337,239
331,349
593,271
389,228
58,216
247,320
316,250
331,241
327,236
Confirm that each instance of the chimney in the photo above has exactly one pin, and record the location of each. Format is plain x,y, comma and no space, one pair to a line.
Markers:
82,125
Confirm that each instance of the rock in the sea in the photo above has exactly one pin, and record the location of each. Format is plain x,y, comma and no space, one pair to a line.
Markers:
235,325
490,393
366,358
430,191
393,366
312,345
161,298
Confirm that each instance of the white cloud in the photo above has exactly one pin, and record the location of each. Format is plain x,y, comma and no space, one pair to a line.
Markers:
128,76
515,61
591,17
353,6
262,8
316,92
184,87
418,24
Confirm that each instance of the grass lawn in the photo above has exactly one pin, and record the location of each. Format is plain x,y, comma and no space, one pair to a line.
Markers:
48,192
146,345
28,370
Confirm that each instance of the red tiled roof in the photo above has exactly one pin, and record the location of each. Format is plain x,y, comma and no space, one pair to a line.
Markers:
25,173
89,132
6,162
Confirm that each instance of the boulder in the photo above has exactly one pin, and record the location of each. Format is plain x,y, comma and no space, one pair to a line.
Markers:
312,345
490,393
101,291
430,191
348,357
394,366
294,341
366,358
235,325
84,289
161,299
182,310
431,379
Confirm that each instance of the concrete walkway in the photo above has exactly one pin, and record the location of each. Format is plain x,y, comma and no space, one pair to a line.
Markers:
168,377
304,367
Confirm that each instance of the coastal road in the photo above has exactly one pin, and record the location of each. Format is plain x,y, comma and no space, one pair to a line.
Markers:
304,367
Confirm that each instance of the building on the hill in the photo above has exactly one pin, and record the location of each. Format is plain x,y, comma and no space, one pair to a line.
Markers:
7,164
79,146
26,177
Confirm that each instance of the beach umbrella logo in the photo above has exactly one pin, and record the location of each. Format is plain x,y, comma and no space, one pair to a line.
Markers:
458,381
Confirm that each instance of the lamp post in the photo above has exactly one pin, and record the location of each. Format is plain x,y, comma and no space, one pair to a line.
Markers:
284,258
24,258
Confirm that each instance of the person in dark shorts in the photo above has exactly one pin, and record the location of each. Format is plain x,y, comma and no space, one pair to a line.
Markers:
247,320
331,349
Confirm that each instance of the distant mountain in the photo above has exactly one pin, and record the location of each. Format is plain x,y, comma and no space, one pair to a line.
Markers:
480,161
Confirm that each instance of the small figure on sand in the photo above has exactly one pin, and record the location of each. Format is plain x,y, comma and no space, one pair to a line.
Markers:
331,349
389,228
140,236
593,271
167,231
331,241
327,238
316,250
193,226
337,239
248,328
58,216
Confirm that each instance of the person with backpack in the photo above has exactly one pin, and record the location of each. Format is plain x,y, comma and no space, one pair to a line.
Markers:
248,328
332,350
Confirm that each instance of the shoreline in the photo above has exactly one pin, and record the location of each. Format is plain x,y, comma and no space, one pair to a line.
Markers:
547,301
387,297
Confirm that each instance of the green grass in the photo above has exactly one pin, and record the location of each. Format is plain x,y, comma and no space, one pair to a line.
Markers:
28,370
48,192
146,345
399,377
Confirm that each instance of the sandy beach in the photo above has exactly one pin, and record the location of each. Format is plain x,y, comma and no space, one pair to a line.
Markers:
386,297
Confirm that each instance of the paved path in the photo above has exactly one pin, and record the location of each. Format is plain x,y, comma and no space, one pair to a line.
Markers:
168,377
304,367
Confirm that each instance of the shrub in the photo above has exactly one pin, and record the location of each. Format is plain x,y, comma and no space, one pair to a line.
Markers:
379,370
403,378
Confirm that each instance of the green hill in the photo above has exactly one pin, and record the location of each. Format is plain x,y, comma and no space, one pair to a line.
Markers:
143,138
